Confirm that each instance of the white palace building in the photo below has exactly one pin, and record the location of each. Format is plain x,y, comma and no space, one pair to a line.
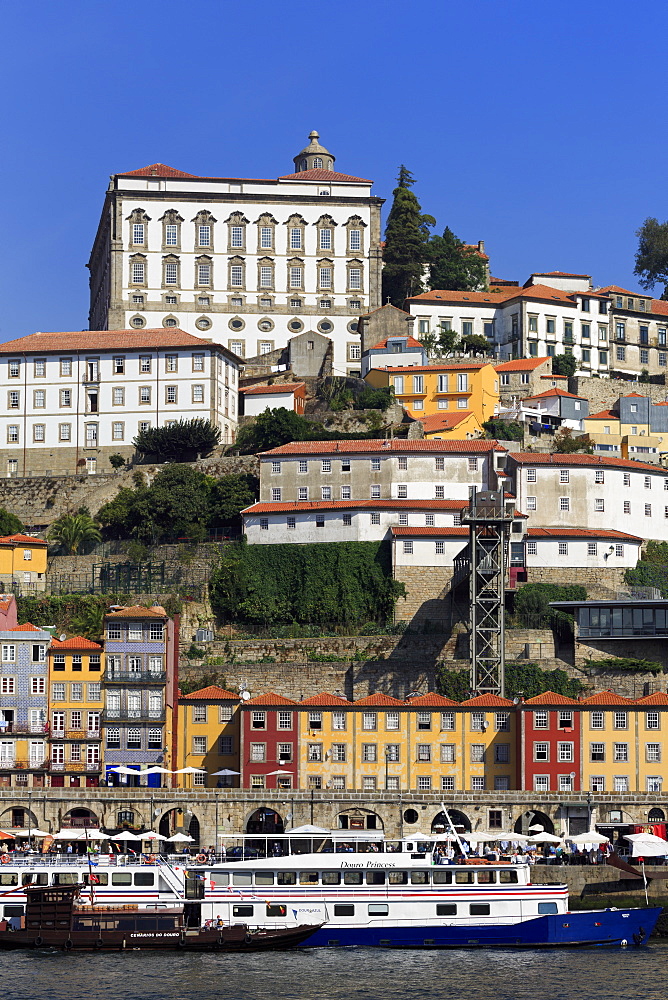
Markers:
248,263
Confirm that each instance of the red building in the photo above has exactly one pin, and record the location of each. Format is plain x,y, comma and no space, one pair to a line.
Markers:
269,738
549,744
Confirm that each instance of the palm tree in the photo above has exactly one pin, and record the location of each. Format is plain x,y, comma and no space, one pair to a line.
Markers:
74,532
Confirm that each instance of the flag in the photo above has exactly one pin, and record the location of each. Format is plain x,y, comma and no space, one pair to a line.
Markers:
94,880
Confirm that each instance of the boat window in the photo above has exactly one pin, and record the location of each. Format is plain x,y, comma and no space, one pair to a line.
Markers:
375,877
9,878
464,878
60,878
441,878
446,909
277,910
35,878
264,878
121,878
220,878
166,923
144,878
344,910
392,846
242,878
352,878
331,878
286,878
378,909
420,878
486,878
145,924
17,911
242,910
507,876
98,878
542,908
423,846
397,878
308,878
479,909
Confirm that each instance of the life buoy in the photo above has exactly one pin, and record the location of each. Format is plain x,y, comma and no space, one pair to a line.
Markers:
68,945
38,941
201,859
99,943
248,939
5,858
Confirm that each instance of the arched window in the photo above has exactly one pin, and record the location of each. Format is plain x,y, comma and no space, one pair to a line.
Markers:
171,230
317,163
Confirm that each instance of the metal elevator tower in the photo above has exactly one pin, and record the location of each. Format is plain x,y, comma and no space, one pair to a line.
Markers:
489,517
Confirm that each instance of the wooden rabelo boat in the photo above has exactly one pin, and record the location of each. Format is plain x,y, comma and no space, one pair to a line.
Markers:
55,918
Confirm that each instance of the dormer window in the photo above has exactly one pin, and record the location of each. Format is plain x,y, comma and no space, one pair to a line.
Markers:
317,163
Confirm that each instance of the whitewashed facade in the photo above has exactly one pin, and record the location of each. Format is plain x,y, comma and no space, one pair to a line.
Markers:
71,400
580,491
249,263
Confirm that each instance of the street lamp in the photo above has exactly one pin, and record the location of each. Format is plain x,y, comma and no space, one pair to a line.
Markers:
588,811
29,818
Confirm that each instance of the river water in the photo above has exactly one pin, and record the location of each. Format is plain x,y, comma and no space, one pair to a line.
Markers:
347,974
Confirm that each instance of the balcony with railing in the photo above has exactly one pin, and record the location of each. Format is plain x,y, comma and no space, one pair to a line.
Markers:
135,677
134,714
75,734
78,766
23,728
31,764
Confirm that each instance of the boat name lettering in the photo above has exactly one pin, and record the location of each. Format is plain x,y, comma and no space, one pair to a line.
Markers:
369,864
155,934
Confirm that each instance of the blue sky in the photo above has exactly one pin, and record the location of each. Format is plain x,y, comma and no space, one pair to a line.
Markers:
537,127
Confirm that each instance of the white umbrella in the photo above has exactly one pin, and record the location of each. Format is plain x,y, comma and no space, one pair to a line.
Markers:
179,838
544,838
538,827
152,835
79,834
189,770
498,835
308,828
155,770
34,832
127,770
591,837
279,771
647,845
224,773
125,835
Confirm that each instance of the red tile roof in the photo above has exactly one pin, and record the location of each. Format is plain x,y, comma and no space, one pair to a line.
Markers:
136,612
26,627
386,446
559,274
430,700
6,601
522,365
74,642
410,342
606,698
326,699
103,340
658,698
447,531
379,700
210,693
303,506
552,458
582,533
603,415
660,306
488,701
444,421
554,391
156,170
622,291
270,698
324,175
260,390
482,298
550,698
22,540
446,366
564,378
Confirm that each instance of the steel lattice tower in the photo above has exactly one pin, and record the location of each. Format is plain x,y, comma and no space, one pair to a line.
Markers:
489,517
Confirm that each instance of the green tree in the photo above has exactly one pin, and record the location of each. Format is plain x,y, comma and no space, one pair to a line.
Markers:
532,601
564,364
652,255
271,429
176,504
374,399
565,444
116,461
406,239
229,495
74,533
180,441
504,430
455,266
9,523
474,343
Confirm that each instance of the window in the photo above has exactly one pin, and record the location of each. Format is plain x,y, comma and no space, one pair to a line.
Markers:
565,752
13,400
369,753
375,492
621,783
477,722
375,518
303,493
592,548
653,753
532,548
541,783
564,503
199,745
447,783
621,753
144,394
621,720
532,503
541,751
439,492
369,720
339,720
424,783
276,494
285,720
171,394
652,720
654,784
339,753
563,548
258,720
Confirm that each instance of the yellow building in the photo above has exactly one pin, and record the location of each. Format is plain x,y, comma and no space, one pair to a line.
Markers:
652,734
22,562
75,711
426,743
208,737
450,386
459,425
632,440
611,761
